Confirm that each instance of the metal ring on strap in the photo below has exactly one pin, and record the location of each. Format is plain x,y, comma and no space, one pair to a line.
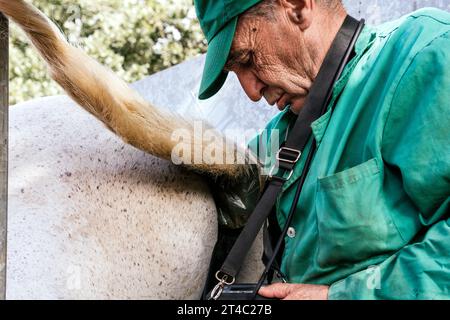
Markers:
271,176
225,278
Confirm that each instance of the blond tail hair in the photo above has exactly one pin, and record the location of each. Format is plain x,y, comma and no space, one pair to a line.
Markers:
103,94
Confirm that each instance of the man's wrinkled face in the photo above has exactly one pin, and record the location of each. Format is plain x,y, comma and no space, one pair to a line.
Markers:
272,60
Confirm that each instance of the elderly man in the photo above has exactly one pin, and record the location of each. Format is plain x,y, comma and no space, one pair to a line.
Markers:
373,217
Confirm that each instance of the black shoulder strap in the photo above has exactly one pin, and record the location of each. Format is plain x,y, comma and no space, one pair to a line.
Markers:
290,153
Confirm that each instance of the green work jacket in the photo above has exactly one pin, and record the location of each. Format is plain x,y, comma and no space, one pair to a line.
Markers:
373,218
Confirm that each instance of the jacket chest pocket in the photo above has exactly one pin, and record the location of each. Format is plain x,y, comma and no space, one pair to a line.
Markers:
354,223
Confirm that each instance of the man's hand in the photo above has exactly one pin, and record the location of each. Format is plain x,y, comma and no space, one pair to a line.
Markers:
287,291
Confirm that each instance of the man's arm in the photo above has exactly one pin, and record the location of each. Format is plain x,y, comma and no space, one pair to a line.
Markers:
416,141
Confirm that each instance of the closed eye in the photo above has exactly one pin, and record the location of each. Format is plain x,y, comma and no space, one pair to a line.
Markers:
247,60
239,59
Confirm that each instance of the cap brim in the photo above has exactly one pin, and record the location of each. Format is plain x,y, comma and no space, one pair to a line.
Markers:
218,50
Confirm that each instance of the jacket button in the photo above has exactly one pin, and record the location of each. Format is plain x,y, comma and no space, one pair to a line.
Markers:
291,233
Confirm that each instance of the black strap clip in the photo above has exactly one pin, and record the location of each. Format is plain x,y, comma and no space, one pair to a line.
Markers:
287,158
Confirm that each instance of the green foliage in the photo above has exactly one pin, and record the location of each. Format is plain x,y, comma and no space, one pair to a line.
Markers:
134,38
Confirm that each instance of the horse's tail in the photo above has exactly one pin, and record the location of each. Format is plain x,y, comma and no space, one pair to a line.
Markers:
103,94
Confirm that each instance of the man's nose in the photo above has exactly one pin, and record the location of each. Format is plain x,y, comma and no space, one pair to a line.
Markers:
253,87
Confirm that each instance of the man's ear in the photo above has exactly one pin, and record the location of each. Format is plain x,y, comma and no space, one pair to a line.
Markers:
299,12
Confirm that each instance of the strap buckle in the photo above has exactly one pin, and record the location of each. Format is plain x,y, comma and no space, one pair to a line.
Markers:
289,155
286,155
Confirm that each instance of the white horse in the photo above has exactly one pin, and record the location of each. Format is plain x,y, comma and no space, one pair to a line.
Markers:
93,218
90,216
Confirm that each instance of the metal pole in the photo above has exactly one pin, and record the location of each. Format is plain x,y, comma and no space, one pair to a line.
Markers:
4,105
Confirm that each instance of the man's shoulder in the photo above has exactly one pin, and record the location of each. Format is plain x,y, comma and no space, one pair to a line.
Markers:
421,37
430,15
418,28
424,17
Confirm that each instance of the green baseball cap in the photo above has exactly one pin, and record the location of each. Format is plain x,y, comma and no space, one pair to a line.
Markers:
218,20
